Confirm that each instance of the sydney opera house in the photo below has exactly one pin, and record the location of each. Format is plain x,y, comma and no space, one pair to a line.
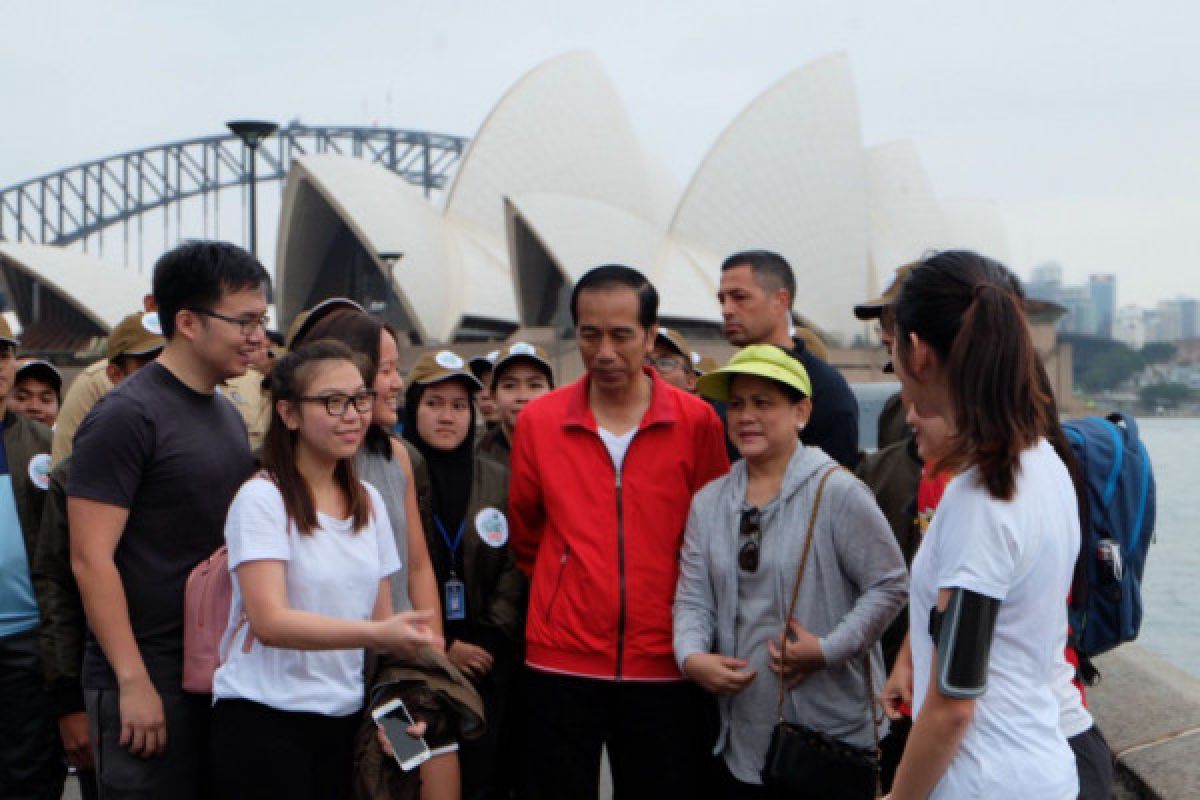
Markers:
554,182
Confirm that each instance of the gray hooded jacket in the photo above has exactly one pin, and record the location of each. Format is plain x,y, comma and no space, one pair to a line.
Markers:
854,585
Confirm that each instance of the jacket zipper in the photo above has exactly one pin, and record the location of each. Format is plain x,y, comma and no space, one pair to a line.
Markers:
621,577
562,568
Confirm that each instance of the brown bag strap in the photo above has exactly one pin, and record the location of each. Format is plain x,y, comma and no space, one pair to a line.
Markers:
808,537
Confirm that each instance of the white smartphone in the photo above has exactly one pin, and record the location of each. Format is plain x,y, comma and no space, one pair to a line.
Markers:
411,751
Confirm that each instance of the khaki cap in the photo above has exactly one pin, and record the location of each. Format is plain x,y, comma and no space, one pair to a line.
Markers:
136,335
705,364
675,341
763,360
6,334
873,308
441,366
523,351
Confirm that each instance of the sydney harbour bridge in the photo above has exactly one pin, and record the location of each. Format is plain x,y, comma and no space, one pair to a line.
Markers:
125,207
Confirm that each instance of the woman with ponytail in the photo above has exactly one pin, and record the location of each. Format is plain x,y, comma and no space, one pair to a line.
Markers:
987,604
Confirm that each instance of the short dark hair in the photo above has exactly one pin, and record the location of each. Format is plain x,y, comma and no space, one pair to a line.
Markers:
197,273
771,270
611,276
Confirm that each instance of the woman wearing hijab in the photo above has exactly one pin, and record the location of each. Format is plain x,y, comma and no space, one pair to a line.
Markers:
467,535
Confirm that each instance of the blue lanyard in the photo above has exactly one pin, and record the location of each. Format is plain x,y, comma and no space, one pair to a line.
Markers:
446,537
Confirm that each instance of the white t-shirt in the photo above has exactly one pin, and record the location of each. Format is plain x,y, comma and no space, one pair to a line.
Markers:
334,572
1022,553
617,445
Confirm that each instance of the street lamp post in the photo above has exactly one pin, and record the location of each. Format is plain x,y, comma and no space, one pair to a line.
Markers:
252,132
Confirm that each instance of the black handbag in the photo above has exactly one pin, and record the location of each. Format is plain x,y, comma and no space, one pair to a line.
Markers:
803,763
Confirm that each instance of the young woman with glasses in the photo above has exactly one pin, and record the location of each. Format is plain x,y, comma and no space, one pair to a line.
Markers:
311,549
745,539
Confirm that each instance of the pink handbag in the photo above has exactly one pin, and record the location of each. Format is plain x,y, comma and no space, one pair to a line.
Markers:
206,601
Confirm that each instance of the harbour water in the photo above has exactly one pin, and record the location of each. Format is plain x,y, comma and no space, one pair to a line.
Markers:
1171,583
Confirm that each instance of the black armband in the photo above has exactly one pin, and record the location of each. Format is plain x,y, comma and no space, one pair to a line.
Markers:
962,635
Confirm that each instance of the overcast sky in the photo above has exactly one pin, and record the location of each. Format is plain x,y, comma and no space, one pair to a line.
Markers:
1080,120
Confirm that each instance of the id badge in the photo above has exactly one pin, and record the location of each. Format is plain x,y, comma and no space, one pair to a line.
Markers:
456,600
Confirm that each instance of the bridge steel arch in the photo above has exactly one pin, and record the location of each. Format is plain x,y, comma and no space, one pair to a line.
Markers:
82,201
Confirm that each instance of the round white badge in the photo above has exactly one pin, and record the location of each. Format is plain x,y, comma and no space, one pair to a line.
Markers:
492,527
447,360
151,323
39,471
522,349
695,359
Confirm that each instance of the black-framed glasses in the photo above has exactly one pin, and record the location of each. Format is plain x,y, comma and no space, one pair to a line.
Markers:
751,530
247,326
337,403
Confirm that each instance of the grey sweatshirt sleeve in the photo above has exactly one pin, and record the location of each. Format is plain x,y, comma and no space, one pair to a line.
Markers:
695,611
869,556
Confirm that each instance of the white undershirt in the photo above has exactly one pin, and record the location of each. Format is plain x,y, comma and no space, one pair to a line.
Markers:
617,445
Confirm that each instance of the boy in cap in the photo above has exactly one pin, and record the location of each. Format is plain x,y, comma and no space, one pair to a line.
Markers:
37,391
131,345
672,357
156,464
483,368
521,374
30,762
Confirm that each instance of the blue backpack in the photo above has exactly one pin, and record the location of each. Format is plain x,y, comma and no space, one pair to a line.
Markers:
1106,607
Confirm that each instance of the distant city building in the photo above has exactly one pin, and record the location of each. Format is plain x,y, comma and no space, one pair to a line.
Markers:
1178,318
1103,292
1091,308
1130,326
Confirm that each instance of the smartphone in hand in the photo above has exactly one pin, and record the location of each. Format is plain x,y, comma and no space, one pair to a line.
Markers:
411,751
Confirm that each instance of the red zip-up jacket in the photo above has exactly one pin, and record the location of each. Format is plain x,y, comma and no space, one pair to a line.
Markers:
602,547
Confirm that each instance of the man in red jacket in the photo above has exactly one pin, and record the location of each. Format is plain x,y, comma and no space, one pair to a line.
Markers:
603,473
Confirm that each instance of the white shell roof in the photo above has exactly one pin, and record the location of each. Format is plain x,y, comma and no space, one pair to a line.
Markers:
580,233
441,278
905,218
560,129
103,293
788,175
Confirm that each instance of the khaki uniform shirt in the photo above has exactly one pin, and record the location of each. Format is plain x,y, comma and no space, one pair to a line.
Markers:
88,387
253,402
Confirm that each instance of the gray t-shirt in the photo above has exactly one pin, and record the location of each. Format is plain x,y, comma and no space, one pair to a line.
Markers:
174,458
386,475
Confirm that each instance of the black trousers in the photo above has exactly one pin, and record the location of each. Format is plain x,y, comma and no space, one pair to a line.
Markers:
31,761
261,752
179,773
649,730
1094,761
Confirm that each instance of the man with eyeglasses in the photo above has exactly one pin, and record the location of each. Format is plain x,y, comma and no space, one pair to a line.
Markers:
672,358
156,464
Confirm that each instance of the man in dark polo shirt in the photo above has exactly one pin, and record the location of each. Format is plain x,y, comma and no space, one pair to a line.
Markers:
756,293
155,466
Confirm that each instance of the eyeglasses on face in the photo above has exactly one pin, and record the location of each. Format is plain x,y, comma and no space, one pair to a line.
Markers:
247,325
666,364
751,529
338,403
